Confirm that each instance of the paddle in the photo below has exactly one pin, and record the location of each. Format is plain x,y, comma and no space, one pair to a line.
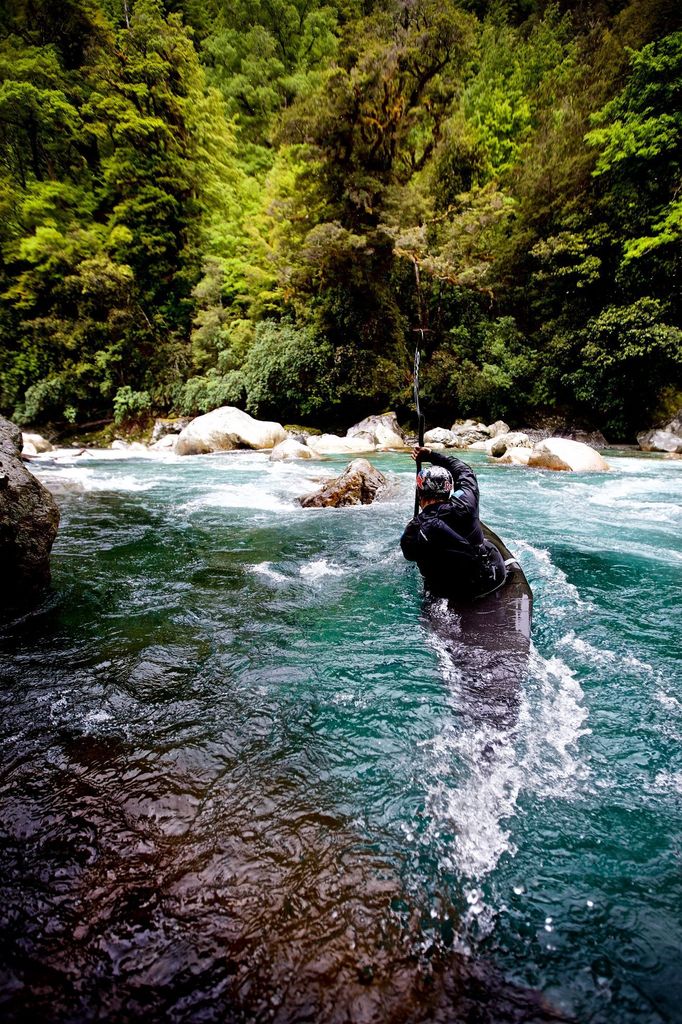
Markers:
420,422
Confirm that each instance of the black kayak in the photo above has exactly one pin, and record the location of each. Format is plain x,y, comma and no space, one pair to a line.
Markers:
485,642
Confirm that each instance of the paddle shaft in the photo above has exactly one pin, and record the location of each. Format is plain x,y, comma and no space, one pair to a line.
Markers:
419,461
420,422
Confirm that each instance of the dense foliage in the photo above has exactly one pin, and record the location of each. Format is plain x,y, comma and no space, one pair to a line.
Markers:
268,202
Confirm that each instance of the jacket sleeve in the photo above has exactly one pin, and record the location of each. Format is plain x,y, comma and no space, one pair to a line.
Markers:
411,540
466,484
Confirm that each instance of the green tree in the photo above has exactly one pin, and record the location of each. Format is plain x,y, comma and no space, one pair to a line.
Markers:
639,138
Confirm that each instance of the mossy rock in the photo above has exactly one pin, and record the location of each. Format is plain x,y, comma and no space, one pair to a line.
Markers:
293,428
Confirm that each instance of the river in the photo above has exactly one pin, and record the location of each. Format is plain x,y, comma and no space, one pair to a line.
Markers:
240,780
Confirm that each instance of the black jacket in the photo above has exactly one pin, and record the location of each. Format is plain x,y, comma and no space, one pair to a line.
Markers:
447,543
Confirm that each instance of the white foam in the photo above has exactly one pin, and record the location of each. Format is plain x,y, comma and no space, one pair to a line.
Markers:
97,717
666,782
544,568
538,755
244,495
264,569
630,497
477,806
554,718
320,567
94,454
86,479
668,701
602,657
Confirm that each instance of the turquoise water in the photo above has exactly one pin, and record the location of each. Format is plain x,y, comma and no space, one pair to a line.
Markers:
241,779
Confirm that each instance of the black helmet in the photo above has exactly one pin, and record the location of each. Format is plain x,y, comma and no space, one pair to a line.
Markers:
434,482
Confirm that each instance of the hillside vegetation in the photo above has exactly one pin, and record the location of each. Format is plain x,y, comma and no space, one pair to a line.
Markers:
269,202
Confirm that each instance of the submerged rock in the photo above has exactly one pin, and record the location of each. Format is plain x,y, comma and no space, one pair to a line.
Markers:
291,449
29,518
359,484
562,454
383,431
225,429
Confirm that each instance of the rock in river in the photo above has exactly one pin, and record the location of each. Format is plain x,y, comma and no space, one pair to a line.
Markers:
562,454
383,431
359,484
291,449
331,444
29,518
515,456
225,429
498,445
497,428
36,443
665,439
439,435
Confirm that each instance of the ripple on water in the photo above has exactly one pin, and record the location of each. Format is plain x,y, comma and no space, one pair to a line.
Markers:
239,781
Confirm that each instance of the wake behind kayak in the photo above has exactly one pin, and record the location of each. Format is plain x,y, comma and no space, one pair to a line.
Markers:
485,642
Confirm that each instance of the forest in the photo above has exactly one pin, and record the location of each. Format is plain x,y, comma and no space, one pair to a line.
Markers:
269,203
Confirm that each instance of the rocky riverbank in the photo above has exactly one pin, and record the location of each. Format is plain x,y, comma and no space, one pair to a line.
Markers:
550,445
29,519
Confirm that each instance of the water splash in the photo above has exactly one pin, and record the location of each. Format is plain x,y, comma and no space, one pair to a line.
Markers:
493,767
319,568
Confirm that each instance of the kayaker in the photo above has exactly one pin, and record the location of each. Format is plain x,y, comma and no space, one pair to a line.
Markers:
445,539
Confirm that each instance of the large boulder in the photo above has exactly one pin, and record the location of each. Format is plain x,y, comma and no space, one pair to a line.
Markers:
439,435
331,444
290,449
36,444
225,429
470,424
383,431
660,441
29,518
562,454
11,440
515,457
359,484
498,427
467,433
499,444
462,435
